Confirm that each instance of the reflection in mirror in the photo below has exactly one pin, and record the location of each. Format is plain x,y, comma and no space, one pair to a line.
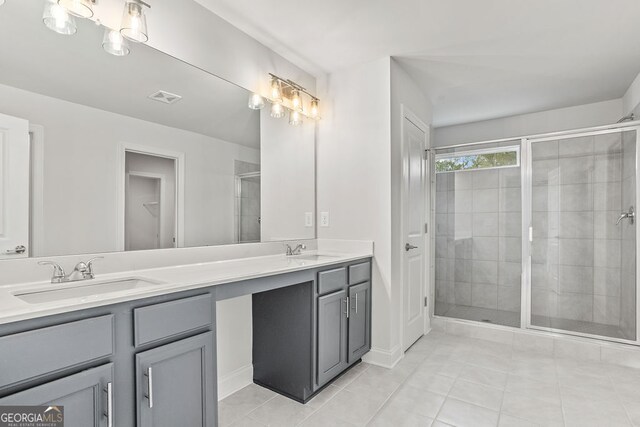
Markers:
136,152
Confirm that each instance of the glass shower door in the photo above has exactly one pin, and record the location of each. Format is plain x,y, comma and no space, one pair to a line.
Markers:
583,234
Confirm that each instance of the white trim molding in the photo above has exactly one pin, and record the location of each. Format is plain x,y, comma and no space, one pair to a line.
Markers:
235,381
179,157
384,358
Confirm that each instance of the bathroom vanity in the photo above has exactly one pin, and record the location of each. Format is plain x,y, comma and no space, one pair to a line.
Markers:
149,359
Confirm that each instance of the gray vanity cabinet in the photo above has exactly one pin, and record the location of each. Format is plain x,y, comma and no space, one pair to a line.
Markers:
86,397
176,384
332,335
359,318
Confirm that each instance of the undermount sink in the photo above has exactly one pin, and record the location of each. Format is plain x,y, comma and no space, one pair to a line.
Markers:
83,289
315,257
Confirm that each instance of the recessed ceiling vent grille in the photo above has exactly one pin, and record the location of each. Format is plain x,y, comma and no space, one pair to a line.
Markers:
165,97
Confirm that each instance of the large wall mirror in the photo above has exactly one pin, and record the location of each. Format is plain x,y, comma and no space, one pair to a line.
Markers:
100,153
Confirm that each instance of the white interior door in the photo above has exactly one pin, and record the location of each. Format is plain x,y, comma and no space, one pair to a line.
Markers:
414,245
14,187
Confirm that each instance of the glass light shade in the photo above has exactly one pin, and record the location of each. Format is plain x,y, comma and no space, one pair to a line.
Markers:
114,43
80,8
296,100
277,110
256,102
295,118
57,19
134,23
314,112
276,91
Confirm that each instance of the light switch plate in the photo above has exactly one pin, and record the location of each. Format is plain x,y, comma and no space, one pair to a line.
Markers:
324,219
308,219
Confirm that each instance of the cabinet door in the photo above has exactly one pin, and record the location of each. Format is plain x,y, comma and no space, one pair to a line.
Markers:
359,321
332,335
86,397
176,384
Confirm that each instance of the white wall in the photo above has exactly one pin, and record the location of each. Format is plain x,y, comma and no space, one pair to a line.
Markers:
189,31
288,162
354,174
359,179
599,113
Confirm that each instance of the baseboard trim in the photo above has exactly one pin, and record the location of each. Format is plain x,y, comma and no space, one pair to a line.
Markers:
234,381
384,358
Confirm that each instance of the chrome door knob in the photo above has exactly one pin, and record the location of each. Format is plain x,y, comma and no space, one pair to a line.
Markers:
408,247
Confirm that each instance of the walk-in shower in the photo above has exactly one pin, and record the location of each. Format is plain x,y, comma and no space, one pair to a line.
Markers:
540,232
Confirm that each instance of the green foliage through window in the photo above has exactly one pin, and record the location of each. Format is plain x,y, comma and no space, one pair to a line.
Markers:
478,160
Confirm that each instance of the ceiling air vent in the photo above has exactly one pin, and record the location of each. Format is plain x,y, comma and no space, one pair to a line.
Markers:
165,97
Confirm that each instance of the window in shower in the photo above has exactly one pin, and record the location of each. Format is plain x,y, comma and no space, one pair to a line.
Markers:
478,245
583,249
478,159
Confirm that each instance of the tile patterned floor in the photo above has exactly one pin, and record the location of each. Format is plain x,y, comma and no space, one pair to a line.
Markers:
447,380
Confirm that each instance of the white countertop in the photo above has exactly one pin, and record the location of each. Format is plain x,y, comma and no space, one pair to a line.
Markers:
170,279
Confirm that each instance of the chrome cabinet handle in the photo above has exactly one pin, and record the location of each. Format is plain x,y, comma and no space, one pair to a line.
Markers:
150,386
20,249
356,303
408,247
109,413
346,301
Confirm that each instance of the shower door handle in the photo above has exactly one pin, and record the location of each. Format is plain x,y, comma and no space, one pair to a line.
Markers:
630,215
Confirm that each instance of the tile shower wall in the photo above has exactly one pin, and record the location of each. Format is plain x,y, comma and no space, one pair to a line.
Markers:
577,196
478,241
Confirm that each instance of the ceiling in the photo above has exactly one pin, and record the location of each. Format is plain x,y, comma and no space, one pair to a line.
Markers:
77,69
474,59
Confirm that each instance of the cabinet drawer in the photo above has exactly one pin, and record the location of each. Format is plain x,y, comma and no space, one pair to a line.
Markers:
159,321
359,273
42,351
332,280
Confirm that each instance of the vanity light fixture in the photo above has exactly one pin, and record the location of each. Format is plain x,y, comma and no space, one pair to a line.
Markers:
287,95
296,101
256,102
56,18
276,90
79,8
277,110
295,118
314,113
134,21
114,43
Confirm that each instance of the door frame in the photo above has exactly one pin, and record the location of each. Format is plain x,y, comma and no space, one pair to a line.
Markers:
179,159
407,114
36,214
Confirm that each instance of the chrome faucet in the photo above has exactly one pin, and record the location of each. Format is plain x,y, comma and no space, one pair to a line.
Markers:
630,215
295,251
82,271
